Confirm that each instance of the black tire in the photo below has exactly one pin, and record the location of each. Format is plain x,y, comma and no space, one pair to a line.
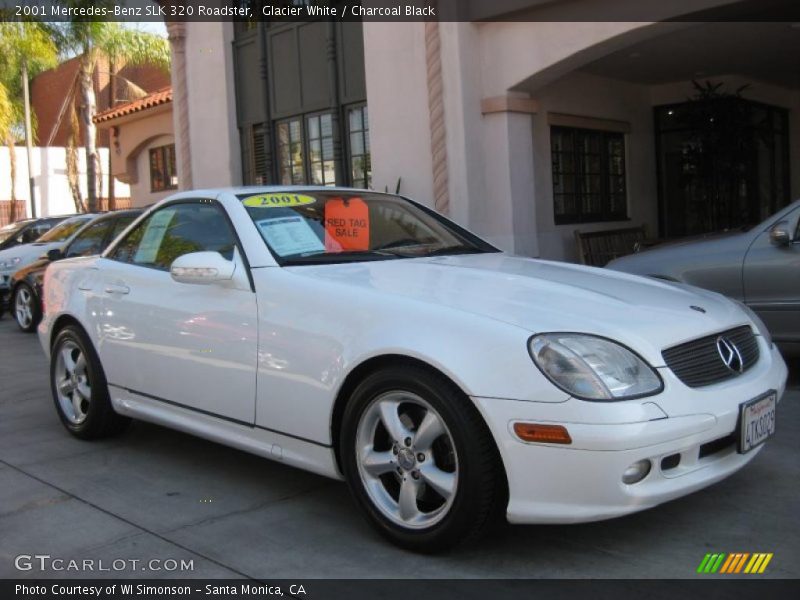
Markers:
99,418
480,489
34,305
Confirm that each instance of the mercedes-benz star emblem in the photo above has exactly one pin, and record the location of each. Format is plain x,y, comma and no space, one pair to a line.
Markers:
730,354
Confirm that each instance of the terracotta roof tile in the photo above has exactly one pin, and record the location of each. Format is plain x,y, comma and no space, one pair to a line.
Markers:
156,98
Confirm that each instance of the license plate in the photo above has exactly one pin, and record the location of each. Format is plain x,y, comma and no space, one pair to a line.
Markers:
756,421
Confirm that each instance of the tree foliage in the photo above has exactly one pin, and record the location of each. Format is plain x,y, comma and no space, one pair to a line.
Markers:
38,46
89,39
27,47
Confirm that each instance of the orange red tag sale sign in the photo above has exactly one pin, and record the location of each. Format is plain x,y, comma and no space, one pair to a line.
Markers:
346,225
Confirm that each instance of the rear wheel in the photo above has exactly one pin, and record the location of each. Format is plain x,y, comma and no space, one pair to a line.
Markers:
419,459
27,311
79,388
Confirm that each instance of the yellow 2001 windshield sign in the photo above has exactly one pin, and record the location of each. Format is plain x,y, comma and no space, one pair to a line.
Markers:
278,200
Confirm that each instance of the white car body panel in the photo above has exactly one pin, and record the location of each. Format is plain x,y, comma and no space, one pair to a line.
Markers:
260,369
204,336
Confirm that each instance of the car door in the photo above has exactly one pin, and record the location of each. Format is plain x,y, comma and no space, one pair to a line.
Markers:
184,344
772,281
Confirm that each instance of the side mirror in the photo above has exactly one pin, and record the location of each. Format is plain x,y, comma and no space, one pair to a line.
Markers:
202,268
54,254
780,235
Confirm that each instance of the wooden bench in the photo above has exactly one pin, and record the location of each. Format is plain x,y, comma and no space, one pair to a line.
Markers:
598,248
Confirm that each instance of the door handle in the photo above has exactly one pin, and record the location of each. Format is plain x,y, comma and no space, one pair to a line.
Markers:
113,288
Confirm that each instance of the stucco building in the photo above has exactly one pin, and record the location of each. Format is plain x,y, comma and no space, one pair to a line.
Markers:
142,145
54,89
522,130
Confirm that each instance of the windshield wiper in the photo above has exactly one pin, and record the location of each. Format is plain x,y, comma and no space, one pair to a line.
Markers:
335,257
445,250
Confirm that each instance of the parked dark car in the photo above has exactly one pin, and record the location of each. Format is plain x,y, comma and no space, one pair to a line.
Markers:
759,267
26,230
92,238
20,234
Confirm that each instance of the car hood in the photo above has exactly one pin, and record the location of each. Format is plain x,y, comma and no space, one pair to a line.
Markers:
699,238
542,296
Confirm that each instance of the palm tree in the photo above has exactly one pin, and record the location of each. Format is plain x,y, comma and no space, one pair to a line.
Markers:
89,40
7,120
27,49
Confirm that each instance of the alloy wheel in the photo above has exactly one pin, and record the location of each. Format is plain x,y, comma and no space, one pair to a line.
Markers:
72,382
407,460
23,307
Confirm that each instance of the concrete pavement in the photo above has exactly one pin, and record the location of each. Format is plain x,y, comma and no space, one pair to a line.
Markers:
156,493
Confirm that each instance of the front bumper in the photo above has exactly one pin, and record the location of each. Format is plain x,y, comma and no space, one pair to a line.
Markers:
582,481
5,289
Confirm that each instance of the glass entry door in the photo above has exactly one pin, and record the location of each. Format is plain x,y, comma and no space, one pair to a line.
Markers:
722,165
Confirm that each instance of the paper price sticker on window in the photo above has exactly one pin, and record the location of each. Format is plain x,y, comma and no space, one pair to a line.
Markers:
278,200
346,225
153,236
290,235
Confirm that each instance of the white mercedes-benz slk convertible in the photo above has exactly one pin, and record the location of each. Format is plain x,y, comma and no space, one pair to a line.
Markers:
363,336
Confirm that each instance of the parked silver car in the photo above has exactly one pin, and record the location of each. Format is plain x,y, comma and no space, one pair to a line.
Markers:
760,267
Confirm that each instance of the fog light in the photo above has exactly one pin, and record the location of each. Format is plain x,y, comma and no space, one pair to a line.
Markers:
636,472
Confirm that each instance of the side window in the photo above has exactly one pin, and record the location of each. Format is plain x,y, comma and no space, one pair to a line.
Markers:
176,230
30,234
41,228
796,237
120,225
90,240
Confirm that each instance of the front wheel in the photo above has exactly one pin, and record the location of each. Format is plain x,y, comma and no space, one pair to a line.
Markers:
79,388
27,311
419,459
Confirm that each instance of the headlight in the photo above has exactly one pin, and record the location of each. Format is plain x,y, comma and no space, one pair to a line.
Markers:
760,326
593,368
10,263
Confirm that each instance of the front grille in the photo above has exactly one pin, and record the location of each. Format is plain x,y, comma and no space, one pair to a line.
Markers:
718,445
698,363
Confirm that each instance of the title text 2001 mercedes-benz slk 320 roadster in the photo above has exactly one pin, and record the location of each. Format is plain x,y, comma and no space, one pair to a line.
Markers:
362,336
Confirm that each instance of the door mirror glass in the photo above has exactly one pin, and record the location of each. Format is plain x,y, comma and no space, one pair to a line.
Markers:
202,268
780,234
54,254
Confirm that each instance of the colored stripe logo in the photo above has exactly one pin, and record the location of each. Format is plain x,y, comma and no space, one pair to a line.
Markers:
737,562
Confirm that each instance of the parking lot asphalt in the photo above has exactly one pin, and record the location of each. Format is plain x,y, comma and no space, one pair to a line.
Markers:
154,493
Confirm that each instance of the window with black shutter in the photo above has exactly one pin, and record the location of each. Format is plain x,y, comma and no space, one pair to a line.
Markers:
588,175
163,174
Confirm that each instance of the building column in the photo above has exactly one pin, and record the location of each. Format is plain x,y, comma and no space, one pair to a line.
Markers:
180,103
509,174
436,114
490,177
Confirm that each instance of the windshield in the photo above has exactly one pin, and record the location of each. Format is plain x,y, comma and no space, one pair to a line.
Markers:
10,230
65,229
319,227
